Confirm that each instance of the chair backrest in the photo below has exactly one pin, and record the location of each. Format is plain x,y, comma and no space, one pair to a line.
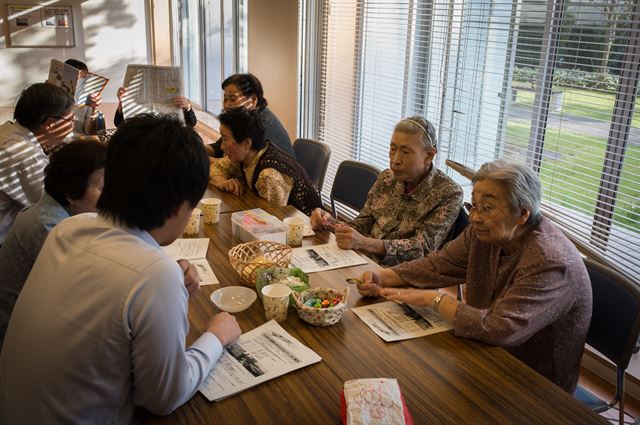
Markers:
615,322
461,223
352,183
314,158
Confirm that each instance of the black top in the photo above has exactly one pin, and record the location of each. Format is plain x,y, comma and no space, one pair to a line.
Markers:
304,195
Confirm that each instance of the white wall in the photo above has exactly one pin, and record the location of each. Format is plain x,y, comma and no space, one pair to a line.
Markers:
109,35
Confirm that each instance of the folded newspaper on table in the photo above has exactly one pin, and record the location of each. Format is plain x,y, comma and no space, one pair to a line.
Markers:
318,258
259,355
394,321
68,78
151,89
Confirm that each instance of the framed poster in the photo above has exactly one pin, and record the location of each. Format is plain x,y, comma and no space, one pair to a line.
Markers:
40,26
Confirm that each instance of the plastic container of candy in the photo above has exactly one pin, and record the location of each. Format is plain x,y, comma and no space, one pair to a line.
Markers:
321,306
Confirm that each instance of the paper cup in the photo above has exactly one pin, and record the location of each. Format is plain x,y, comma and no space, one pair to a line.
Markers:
275,299
193,226
295,227
211,209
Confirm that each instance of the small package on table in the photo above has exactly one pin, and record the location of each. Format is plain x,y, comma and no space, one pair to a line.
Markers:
373,401
257,224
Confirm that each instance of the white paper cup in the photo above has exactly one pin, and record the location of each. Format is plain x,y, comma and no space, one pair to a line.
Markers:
211,209
295,228
275,299
193,226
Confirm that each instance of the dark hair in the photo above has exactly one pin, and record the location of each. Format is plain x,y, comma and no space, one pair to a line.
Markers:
245,124
154,164
248,84
40,101
77,64
70,167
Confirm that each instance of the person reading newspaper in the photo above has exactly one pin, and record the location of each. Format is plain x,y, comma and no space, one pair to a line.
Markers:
87,113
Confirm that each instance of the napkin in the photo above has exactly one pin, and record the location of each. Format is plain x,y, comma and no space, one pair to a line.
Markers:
373,401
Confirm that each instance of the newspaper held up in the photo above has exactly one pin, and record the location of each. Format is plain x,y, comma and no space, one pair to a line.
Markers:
259,355
70,80
151,89
396,321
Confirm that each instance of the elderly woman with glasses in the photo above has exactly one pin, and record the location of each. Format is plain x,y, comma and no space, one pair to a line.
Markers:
411,207
527,288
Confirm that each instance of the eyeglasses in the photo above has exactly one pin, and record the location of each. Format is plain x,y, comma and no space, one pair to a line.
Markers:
481,210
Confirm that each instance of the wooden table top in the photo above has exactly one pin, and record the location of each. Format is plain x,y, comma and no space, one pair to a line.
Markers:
233,203
444,379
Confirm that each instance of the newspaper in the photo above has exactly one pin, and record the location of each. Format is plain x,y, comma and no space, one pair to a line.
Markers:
194,250
259,355
151,89
68,78
318,258
394,321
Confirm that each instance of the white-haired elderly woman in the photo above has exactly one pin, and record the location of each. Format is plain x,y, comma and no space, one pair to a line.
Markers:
527,287
410,208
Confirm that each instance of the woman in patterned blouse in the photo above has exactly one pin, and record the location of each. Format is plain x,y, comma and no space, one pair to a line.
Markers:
411,207
252,160
527,287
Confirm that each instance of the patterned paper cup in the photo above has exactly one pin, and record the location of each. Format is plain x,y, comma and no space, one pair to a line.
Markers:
295,227
211,209
275,299
193,226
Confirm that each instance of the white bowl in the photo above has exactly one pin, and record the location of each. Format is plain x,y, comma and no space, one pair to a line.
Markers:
233,299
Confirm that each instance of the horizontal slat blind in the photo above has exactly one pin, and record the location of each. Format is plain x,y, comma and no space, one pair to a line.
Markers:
550,84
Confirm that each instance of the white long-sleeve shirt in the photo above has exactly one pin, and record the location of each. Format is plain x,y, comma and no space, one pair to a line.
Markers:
22,163
99,327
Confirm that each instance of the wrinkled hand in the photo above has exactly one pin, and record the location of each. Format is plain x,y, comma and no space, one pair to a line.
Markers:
347,237
370,286
191,277
182,102
232,185
225,327
417,297
321,220
94,100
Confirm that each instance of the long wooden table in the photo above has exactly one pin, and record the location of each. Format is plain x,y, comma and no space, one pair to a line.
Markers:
444,379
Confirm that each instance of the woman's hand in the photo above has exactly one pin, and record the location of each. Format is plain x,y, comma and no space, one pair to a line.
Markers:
231,185
182,102
371,283
321,220
348,238
417,297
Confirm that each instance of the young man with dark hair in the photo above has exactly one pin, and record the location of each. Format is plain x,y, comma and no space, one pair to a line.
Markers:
42,116
101,322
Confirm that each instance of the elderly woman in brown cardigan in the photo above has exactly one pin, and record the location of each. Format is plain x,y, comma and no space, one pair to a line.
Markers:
527,288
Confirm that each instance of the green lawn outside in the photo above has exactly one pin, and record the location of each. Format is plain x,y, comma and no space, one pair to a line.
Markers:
575,173
580,102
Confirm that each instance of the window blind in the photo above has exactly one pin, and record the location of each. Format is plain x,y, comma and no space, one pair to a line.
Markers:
549,84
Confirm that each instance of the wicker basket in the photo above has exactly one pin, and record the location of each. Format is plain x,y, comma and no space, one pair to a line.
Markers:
246,258
321,316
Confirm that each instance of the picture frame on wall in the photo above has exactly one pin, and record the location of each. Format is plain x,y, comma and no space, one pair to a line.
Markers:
40,26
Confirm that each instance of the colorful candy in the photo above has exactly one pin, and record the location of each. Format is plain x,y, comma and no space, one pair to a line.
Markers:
325,302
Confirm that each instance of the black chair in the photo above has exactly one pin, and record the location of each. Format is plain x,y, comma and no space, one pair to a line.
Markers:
461,223
615,325
314,158
352,183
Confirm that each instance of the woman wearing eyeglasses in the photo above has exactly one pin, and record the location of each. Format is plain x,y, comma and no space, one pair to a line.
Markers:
245,91
527,288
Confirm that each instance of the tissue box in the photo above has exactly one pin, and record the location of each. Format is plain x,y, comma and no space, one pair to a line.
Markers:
257,224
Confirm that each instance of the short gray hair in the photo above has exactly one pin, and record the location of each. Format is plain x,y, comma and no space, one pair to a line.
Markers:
419,125
521,183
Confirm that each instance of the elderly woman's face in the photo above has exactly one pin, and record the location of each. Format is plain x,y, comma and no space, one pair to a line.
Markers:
408,158
236,151
492,216
233,98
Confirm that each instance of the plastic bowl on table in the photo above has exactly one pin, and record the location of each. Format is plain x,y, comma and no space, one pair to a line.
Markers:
234,299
